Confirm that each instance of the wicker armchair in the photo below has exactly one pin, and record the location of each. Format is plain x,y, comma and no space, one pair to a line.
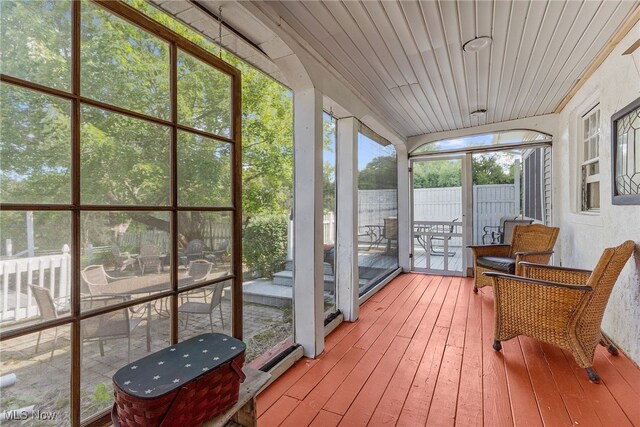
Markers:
532,243
559,306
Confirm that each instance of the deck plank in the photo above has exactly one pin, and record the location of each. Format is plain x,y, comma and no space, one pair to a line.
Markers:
421,354
524,405
277,413
365,403
576,402
604,404
446,390
326,419
469,405
495,391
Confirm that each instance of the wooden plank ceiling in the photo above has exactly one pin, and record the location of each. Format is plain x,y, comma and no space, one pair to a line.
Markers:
407,57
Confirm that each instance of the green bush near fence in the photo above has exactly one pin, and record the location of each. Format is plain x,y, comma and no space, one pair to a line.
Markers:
265,244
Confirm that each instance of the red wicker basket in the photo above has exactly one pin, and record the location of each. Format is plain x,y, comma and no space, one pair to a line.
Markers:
190,404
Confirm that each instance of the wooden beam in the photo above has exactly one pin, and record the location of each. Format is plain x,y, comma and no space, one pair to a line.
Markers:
626,26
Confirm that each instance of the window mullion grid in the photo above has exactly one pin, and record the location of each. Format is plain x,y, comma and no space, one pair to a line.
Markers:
75,208
173,87
76,326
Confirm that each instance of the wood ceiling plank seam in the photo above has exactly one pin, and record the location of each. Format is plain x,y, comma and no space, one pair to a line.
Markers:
525,51
440,74
427,87
576,65
386,30
363,21
469,60
436,91
421,96
484,59
398,93
408,94
397,19
358,40
543,87
282,14
348,71
383,25
456,61
523,93
498,48
391,37
451,73
515,33
349,12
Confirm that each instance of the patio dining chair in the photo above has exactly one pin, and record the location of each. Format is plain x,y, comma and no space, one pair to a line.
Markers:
122,259
194,250
112,325
48,311
196,307
150,258
94,276
199,270
559,305
533,243
427,242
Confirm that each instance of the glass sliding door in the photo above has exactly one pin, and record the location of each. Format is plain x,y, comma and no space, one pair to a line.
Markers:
377,210
438,211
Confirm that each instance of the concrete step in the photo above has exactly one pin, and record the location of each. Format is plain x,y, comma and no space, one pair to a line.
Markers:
264,292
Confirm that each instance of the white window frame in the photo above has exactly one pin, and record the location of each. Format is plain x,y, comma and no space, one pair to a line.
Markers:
589,157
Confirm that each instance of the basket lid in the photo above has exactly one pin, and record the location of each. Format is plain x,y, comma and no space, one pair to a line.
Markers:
172,367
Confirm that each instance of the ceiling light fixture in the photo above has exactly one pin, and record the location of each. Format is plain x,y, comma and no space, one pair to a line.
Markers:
478,113
477,44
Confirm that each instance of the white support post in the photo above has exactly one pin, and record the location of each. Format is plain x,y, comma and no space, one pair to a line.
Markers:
347,284
308,275
404,209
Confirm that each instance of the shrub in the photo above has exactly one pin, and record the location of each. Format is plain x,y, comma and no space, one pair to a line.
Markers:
265,243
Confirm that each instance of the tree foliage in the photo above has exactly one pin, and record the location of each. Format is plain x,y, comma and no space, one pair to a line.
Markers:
124,160
381,173
486,169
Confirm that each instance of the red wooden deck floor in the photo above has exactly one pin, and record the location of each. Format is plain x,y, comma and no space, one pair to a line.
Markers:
421,354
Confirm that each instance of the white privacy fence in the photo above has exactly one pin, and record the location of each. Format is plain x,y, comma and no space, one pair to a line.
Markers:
52,272
490,203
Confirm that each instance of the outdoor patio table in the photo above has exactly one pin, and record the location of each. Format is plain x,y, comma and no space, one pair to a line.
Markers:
138,285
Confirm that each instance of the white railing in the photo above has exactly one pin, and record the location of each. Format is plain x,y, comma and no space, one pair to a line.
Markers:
52,272
329,228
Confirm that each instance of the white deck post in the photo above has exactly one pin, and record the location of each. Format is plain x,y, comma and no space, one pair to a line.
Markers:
347,279
308,290
404,209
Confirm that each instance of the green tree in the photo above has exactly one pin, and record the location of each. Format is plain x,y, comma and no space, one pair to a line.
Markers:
381,173
492,168
126,160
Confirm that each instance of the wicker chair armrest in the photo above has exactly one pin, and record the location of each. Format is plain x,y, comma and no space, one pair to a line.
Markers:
490,250
530,253
536,281
552,273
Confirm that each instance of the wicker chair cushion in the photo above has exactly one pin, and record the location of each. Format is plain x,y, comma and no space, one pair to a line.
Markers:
506,265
